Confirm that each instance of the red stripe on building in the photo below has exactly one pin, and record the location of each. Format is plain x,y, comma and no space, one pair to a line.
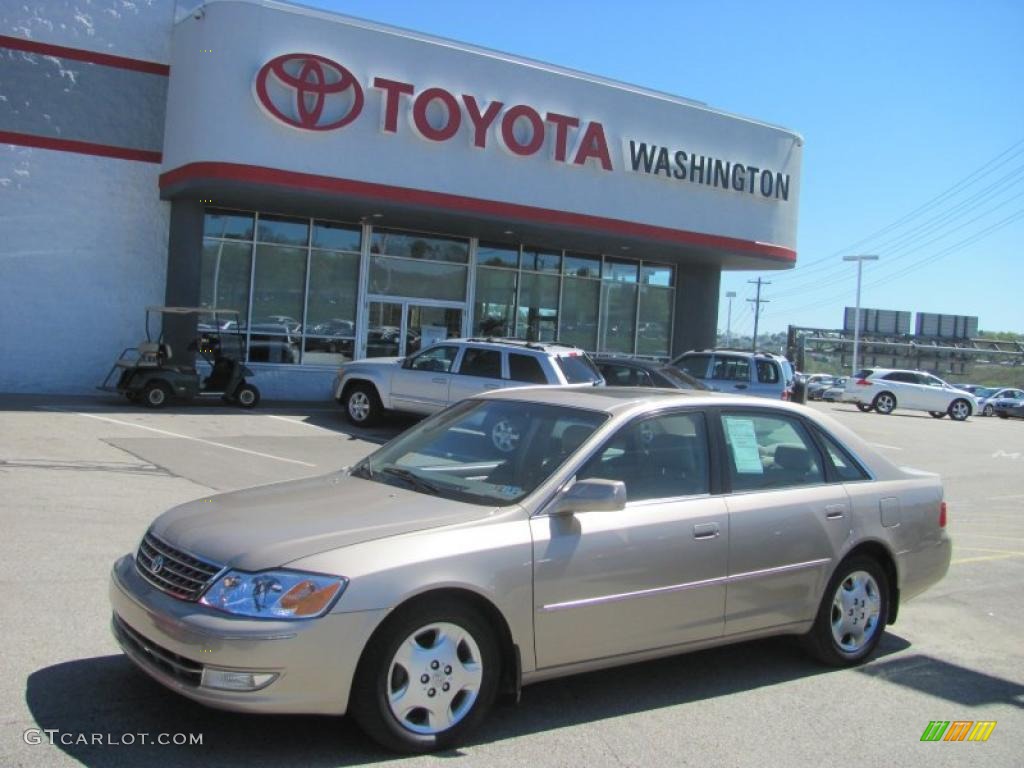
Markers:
79,147
210,171
79,54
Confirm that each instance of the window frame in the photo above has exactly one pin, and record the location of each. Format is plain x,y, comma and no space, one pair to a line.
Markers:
466,351
822,438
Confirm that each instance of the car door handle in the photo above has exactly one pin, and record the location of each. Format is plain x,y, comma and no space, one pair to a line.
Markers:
835,511
705,531
439,380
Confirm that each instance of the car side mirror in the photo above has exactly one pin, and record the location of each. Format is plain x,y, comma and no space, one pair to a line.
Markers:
590,496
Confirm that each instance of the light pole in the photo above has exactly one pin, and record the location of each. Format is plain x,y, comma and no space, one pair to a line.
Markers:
730,295
856,317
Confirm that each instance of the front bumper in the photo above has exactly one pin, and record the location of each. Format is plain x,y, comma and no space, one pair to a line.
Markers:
174,641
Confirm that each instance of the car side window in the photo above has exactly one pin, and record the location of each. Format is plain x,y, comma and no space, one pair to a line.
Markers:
931,381
660,457
766,451
767,372
846,469
695,365
902,377
525,368
617,375
731,369
481,362
435,359
643,378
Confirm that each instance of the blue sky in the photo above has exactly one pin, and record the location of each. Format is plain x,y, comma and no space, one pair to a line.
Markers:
912,112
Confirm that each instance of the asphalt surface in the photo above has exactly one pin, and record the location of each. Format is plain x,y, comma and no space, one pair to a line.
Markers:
81,479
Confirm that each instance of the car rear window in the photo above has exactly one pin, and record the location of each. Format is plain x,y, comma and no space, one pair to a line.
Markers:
525,368
578,368
731,369
863,373
767,372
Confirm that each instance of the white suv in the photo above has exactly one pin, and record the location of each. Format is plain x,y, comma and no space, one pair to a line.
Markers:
885,389
453,370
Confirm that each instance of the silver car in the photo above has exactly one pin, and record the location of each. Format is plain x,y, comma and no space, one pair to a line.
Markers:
440,572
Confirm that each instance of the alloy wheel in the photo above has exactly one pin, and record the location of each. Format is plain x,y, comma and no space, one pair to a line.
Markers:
359,406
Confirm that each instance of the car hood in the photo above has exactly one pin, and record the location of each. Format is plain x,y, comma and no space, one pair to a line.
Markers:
271,525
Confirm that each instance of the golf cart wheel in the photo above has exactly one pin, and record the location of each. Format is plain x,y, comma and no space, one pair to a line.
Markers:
247,396
156,394
865,407
936,414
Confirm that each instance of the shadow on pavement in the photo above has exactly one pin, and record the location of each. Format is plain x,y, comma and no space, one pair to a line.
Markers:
107,694
952,682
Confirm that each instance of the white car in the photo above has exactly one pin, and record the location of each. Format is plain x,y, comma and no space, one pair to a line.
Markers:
988,396
885,389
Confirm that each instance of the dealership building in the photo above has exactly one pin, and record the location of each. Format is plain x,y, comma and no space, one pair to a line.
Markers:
353,190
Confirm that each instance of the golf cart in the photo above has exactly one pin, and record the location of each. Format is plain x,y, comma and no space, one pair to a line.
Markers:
148,375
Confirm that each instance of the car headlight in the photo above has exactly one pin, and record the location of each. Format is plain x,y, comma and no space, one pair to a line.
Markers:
275,594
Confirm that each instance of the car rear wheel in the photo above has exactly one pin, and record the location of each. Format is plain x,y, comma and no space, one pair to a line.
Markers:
428,678
988,411
865,407
959,410
362,406
936,414
852,615
156,394
885,403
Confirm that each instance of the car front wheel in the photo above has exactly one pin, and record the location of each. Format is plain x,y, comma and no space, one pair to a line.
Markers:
959,410
428,679
852,614
885,403
989,410
362,406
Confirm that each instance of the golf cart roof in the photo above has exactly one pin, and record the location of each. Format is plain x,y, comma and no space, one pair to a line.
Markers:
193,310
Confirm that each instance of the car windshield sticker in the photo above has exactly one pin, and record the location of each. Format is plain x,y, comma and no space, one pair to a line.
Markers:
743,443
509,491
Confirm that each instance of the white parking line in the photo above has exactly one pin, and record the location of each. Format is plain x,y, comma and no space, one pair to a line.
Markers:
182,437
298,421
1011,496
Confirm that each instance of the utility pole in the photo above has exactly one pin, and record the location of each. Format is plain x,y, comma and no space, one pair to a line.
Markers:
757,308
730,295
856,316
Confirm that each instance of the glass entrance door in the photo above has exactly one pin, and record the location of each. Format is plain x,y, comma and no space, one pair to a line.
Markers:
402,328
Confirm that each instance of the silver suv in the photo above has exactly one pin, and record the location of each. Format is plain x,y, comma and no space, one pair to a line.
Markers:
760,374
453,370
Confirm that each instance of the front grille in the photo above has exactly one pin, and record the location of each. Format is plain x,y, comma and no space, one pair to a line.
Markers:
147,652
175,572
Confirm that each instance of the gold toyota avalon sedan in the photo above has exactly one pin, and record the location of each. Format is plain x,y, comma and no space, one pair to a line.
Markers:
606,526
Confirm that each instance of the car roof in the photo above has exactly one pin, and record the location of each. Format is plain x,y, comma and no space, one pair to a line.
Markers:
617,400
652,365
521,344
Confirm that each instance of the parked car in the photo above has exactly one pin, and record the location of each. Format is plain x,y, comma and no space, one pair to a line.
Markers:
885,389
817,383
438,572
453,370
1009,409
750,373
834,393
631,372
989,397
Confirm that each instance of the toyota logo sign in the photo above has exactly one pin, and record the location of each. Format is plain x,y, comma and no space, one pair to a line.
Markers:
309,91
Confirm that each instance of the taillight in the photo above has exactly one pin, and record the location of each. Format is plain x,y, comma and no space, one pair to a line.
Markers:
863,383
942,515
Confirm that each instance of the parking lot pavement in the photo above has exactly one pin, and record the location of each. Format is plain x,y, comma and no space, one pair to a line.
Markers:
80,480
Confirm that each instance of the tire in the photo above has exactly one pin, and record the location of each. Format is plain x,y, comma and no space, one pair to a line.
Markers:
959,410
865,408
885,403
362,405
988,410
857,596
451,647
247,396
504,433
937,414
156,394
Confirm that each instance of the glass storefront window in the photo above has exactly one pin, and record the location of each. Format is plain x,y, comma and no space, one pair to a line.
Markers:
278,290
337,237
413,245
229,224
494,309
621,271
224,276
539,260
618,316
283,231
494,255
578,319
417,279
576,265
333,284
328,351
656,274
537,313
653,329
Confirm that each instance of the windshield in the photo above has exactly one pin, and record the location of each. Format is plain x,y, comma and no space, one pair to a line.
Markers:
492,452
984,391
578,368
